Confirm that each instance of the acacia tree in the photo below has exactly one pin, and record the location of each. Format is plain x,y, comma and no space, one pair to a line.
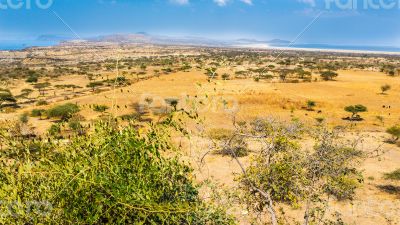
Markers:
281,172
328,75
94,85
173,102
6,96
310,105
355,109
283,73
26,92
73,87
42,87
212,73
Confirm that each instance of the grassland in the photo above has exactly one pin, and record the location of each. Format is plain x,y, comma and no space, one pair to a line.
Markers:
244,98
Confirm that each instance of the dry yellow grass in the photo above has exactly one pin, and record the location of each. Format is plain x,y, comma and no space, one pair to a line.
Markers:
251,99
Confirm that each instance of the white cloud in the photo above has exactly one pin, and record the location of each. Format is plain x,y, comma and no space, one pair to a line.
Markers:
180,2
248,2
218,2
221,2
309,2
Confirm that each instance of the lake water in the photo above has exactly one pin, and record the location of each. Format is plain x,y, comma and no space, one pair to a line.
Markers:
19,45
346,47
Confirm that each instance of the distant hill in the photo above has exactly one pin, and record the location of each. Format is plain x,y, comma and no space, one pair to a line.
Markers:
123,38
278,42
144,38
53,38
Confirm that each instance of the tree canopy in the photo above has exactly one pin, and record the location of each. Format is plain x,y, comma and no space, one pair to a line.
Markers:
6,96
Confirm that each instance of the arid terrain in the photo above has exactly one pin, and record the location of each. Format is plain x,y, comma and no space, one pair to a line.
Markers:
146,82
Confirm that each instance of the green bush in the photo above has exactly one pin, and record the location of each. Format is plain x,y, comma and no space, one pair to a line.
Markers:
55,130
75,125
100,108
395,132
24,118
64,112
32,79
395,175
355,110
42,102
220,134
37,112
107,177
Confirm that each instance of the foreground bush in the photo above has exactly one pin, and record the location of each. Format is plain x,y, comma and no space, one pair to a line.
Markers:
284,172
110,176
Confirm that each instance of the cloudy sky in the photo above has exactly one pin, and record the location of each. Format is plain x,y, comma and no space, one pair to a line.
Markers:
307,21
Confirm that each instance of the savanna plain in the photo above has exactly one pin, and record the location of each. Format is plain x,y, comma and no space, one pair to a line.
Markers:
100,133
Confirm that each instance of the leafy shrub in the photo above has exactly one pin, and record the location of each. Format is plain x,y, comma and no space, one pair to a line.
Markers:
385,88
54,130
282,172
42,102
226,76
32,79
234,151
234,147
328,75
24,118
100,108
395,132
6,96
310,105
220,134
74,123
37,112
107,177
64,112
395,175
132,116
75,126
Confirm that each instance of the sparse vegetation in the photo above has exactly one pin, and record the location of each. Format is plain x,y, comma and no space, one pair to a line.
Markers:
96,142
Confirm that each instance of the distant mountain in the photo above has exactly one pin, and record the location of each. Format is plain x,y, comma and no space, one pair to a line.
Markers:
271,42
143,37
278,42
246,41
53,38
123,38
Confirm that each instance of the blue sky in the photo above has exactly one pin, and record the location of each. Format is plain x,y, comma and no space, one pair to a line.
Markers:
219,19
